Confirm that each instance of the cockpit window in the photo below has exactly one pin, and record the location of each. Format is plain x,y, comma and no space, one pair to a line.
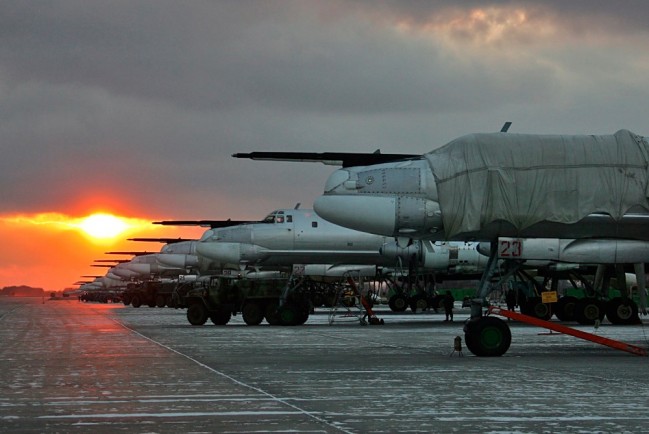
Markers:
270,218
274,217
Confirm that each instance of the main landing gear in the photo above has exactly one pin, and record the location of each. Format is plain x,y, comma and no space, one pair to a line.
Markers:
488,336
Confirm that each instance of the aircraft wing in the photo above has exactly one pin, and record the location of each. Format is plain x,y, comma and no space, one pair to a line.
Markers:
212,224
344,159
130,253
161,240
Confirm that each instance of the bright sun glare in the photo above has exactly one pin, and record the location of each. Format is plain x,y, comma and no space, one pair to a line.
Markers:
103,226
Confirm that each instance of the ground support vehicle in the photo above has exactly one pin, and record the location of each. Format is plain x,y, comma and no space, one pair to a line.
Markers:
153,293
102,296
279,301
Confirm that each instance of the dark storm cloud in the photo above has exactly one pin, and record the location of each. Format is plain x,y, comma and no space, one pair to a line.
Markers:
225,55
148,99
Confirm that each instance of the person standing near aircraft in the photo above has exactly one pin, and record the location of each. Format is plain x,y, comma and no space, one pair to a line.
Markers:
510,299
449,301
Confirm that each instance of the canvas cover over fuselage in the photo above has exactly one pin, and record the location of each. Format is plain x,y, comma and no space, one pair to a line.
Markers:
524,179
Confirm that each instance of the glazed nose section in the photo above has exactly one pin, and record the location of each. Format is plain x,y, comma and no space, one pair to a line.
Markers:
373,214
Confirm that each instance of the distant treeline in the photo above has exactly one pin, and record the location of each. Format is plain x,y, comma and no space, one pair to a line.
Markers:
21,291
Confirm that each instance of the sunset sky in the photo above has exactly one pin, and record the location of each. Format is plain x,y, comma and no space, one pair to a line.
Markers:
134,108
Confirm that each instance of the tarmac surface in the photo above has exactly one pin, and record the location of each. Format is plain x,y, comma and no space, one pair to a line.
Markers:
67,366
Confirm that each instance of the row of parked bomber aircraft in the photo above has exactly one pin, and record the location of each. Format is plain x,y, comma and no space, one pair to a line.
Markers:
494,203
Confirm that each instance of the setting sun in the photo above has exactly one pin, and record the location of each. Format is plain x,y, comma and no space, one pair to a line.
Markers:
103,226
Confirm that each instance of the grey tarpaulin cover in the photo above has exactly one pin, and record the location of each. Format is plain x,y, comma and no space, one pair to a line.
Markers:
525,178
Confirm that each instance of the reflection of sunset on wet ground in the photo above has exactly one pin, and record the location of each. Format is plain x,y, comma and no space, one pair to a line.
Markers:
67,366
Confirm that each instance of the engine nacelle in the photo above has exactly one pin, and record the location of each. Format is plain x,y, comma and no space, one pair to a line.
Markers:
174,260
231,253
328,270
393,250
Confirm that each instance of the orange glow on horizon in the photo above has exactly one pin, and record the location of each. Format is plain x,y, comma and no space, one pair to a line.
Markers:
52,250
100,227
104,226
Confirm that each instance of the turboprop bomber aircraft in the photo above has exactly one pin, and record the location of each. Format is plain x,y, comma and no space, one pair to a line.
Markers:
483,186
299,236
486,187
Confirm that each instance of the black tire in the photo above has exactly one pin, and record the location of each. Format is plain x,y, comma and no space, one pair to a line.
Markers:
622,311
565,308
252,313
303,308
398,303
288,315
487,336
271,314
136,301
126,299
418,303
589,310
303,316
221,317
160,300
536,308
197,314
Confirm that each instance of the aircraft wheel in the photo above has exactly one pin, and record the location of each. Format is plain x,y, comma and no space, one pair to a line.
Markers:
536,308
252,313
398,303
222,317
418,303
197,314
271,314
565,308
288,315
136,301
622,311
589,310
303,317
160,300
487,336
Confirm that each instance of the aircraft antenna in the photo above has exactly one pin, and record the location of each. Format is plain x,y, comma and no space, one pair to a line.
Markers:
505,127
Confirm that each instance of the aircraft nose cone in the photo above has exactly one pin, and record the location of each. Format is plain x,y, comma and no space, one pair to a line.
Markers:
373,214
